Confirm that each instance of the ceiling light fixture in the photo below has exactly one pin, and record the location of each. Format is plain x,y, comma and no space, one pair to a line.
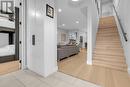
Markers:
59,10
77,22
63,24
75,0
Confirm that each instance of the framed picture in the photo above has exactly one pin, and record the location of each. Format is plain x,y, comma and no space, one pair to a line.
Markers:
49,11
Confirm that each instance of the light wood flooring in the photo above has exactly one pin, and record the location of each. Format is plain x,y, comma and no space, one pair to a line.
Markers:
76,66
9,67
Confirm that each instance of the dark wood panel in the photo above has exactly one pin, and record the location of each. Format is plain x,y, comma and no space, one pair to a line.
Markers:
16,33
7,58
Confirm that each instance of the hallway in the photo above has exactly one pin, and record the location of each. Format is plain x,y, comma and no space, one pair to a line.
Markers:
106,77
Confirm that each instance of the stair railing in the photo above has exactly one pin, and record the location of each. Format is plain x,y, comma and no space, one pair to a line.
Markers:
122,29
96,2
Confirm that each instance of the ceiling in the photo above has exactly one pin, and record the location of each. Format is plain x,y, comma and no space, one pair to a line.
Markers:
73,15
72,12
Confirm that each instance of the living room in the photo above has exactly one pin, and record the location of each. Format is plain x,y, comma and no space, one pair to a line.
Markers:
70,43
71,35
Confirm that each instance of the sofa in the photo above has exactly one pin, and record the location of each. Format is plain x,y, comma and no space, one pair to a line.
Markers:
66,51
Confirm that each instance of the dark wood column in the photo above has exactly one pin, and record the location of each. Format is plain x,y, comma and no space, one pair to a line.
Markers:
16,33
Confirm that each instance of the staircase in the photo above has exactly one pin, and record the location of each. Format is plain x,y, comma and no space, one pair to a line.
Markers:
108,52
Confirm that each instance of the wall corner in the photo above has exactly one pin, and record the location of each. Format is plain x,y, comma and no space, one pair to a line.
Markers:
48,73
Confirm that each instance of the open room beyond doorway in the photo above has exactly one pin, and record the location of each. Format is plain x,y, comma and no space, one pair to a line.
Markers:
99,73
11,36
71,32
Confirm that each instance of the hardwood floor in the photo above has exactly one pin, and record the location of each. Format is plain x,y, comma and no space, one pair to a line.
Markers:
76,66
109,68
9,67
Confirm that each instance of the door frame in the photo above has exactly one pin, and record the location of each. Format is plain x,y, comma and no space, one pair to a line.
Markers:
23,35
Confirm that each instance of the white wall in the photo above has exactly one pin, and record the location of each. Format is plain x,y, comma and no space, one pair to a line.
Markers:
50,41
124,15
107,10
93,19
41,58
4,39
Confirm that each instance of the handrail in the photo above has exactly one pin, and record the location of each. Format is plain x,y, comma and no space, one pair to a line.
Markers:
97,6
122,29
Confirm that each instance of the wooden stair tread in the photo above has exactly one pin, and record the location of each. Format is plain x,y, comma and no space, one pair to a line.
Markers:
117,64
108,42
111,66
108,52
109,59
105,55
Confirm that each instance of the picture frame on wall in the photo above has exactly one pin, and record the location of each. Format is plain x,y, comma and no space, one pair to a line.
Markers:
49,11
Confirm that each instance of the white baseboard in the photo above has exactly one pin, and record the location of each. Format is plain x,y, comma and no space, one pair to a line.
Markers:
56,69
24,67
46,74
89,62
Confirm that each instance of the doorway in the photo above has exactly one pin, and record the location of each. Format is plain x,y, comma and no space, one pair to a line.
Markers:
9,32
81,41
71,36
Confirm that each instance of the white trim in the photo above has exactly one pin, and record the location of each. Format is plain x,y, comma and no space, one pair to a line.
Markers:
129,70
89,37
23,56
28,38
92,32
51,72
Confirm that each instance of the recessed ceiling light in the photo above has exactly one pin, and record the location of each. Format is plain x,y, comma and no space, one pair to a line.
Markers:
59,10
75,0
77,22
63,24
